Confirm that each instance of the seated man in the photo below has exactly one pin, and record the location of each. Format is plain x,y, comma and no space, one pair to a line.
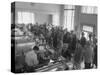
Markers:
31,58
44,55
44,58
65,52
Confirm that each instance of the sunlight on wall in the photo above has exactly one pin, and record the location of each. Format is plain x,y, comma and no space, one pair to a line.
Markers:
56,19
25,17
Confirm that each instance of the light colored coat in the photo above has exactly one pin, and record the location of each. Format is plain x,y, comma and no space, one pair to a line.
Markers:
31,58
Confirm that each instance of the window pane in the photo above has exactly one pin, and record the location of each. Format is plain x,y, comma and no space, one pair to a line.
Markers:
69,7
32,18
89,10
25,17
20,19
88,28
56,20
69,18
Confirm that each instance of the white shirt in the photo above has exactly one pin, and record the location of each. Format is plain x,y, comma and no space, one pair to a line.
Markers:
31,58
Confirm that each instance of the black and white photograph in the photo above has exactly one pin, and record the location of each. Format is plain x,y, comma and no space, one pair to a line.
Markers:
49,37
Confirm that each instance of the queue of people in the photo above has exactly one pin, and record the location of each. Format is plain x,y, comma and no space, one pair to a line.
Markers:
53,42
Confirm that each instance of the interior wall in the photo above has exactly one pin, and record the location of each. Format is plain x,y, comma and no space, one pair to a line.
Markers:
38,8
88,19
41,18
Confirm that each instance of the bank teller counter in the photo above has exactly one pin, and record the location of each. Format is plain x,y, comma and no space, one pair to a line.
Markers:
56,66
22,45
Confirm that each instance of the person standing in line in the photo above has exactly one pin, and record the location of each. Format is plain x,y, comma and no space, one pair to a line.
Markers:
78,56
83,40
88,54
95,51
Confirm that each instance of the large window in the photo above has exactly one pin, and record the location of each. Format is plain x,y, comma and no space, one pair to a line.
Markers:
69,11
87,29
25,17
89,10
56,19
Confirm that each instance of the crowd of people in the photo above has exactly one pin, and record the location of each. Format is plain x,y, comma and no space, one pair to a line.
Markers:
52,43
